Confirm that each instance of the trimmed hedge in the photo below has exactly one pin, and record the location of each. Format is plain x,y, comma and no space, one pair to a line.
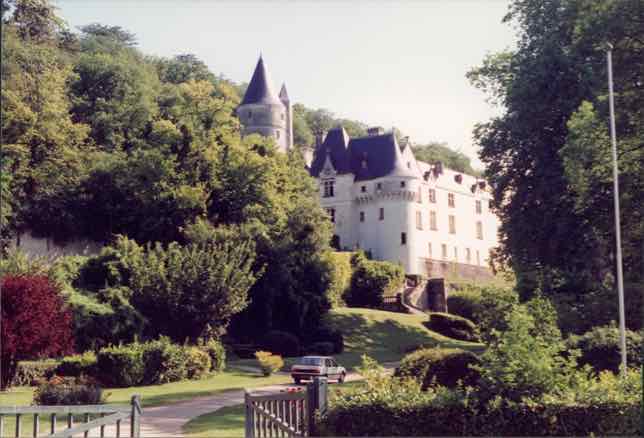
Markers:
464,302
600,348
31,373
121,366
281,343
340,277
372,281
77,365
425,419
442,366
164,362
68,391
453,326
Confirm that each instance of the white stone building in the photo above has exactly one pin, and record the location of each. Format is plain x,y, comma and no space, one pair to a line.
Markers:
431,219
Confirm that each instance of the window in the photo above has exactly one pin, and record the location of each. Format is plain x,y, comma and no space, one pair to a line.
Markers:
379,186
432,221
408,165
250,114
478,258
382,214
282,116
452,224
277,134
403,238
450,200
455,254
479,230
329,187
420,195
362,216
363,189
335,242
331,213
468,255
402,184
444,250
429,249
419,220
432,196
490,204
479,207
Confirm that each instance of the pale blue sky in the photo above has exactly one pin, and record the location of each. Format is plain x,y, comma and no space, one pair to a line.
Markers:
388,63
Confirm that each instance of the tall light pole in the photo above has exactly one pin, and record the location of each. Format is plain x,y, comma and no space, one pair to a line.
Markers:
618,237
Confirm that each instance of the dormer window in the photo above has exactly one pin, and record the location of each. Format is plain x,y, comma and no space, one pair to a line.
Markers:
408,165
402,184
379,186
450,200
250,114
363,189
329,188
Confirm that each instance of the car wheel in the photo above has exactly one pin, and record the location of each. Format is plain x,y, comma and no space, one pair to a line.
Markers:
342,377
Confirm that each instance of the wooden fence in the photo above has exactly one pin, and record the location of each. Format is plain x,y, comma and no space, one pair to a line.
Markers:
286,414
105,415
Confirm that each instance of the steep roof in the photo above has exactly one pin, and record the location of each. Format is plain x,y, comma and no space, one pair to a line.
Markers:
377,156
260,89
335,146
284,94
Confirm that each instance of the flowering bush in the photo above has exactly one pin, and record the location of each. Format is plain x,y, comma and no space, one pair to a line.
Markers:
68,391
269,362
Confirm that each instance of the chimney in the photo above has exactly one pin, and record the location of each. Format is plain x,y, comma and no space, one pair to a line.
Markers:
375,130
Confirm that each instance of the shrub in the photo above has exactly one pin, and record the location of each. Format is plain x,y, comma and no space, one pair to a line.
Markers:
121,366
31,373
340,277
268,362
327,334
197,362
164,361
442,366
321,348
600,348
77,365
217,353
464,302
35,323
68,391
282,343
372,281
490,311
453,326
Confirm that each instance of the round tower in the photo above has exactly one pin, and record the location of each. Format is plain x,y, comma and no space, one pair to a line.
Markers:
263,112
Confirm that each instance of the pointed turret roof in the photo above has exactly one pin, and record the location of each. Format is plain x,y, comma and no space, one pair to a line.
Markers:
284,93
260,89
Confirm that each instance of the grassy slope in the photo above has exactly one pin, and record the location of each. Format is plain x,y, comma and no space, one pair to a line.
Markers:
385,336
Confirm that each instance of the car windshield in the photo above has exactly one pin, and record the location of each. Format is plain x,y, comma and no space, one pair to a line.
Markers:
311,361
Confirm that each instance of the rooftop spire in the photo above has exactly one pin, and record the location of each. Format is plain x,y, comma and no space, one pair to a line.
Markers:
284,93
260,89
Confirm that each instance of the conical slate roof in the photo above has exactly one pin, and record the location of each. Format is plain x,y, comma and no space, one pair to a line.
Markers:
260,89
284,94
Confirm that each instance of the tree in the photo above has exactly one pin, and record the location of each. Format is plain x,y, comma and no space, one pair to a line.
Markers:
35,323
437,151
110,33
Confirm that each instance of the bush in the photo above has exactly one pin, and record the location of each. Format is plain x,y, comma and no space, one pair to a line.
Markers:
68,391
464,302
121,366
372,281
340,277
197,363
77,365
268,362
217,353
453,326
600,348
32,373
35,323
442,366
321,348
327,334
164,361
282,343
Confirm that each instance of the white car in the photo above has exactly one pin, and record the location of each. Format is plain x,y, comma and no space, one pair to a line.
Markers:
317,366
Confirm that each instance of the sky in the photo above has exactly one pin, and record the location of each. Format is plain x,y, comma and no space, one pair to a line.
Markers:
383,62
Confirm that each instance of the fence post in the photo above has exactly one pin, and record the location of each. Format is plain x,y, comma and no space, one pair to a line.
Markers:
316,395
135,421
250,417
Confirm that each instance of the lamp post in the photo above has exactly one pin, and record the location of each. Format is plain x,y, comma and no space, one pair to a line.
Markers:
618,238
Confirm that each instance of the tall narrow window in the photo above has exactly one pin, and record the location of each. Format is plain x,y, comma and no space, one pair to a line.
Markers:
419,220
363,189
420,195
452,224
444,250
277,134
329,188
479,230
362,216
432,195
403,238
432,221
379,186
382,214
468,255
479,207
331,213
429,249
478,258
450,200
402,184
455,254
